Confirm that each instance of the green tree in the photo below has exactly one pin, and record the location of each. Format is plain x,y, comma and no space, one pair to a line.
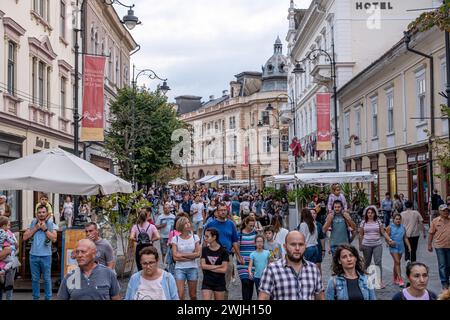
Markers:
143,130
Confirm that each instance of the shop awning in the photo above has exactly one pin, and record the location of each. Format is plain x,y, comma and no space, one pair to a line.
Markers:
322,178
281,179
177,182
211,179
236,183
335,177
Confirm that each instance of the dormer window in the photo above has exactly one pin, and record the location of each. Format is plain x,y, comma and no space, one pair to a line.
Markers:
270,68
281,67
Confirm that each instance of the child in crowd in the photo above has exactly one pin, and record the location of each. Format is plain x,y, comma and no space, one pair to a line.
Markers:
273,247
7,239
259,259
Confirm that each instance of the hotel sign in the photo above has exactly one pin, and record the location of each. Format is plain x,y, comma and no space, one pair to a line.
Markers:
374,5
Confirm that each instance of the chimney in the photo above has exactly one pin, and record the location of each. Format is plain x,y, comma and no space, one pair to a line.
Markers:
211,97
224,93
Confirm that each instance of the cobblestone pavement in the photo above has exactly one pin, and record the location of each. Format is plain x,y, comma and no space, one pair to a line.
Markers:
385,294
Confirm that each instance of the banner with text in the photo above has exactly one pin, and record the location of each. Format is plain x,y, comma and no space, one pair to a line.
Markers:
323,122
93,99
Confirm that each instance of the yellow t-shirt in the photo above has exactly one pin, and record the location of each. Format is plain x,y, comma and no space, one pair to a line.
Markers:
48,205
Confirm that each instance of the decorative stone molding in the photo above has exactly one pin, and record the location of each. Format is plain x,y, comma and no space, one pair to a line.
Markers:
11,103
13,30
42,49
40,20
40,115
64,124
65,68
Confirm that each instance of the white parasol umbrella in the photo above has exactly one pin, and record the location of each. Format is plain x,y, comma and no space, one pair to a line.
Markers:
177,182
58,171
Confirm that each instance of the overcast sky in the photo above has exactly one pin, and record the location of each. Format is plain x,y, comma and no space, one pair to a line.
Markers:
199,45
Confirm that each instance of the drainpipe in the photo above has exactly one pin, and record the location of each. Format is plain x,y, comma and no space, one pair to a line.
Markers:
430,139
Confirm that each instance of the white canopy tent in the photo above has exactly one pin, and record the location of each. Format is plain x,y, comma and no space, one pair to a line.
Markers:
202,180
236,183
322,178
177,182
335,177
211,179
58,171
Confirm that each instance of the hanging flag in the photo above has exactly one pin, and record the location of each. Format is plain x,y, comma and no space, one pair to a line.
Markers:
323,122
93,102
296,148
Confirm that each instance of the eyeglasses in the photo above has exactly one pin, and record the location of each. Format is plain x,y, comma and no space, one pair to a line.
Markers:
148,263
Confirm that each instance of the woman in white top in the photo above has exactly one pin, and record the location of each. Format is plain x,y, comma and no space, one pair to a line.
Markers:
67,211
309,230
280,233
186,249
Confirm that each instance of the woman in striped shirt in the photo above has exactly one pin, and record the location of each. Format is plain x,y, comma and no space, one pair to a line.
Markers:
247,245
370,233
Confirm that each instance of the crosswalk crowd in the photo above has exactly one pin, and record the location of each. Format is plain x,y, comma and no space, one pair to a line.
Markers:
219,235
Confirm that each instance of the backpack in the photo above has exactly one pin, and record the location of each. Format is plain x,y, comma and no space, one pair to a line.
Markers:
143,237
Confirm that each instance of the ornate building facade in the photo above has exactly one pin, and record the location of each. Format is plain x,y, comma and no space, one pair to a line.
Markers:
238,134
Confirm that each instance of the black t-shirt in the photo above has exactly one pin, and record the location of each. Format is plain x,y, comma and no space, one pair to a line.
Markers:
214,258
354,292
436,201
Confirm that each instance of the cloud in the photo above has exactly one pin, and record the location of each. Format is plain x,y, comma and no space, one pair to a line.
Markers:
199,45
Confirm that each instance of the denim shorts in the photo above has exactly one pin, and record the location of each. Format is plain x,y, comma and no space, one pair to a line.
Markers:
189,274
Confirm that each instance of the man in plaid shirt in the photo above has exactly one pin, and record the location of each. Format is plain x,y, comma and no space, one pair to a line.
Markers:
292,278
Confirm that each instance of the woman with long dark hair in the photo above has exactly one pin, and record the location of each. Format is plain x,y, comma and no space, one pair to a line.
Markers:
349,281
214,263
371,232
143,233
247,245
309,230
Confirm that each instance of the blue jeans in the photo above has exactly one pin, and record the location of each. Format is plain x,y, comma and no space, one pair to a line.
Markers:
312,254
443,256
8,294
333,250
41,266
257,282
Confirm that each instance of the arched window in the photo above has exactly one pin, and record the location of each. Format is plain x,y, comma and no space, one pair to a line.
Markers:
201,174
233,174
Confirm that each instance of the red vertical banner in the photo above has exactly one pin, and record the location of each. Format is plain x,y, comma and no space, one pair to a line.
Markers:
323,122
93,101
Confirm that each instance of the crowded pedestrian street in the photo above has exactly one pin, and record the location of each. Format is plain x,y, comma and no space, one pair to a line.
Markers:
223,151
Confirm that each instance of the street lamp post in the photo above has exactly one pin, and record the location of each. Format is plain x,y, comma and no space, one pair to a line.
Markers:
312,55
130,21
164,88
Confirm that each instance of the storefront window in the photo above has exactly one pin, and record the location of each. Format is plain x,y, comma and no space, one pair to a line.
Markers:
8,152
393,181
